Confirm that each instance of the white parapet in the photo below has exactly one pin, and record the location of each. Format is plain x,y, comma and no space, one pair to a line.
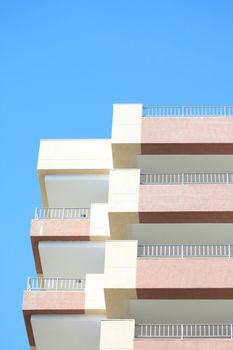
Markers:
72,157
75,154
117,334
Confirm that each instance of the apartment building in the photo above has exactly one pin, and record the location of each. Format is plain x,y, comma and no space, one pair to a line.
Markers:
133,243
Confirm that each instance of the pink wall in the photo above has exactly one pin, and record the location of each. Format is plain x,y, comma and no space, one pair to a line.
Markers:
206,203
197,344
218,132
186,278
61,228
54,301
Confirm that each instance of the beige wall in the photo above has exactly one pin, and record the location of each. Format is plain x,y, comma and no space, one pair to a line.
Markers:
126,134
119,276
124,190
126,123
94,293
117,335
99,222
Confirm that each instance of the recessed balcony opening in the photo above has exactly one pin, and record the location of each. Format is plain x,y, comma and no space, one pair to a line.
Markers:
182,233
71,259
175,164
181,311
76,191
66,331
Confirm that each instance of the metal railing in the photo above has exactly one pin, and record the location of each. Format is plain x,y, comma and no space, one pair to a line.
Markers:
187,111
41,283
185,250
182,331
62,213
186,178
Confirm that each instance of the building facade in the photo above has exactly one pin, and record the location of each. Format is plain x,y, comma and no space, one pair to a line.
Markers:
133,244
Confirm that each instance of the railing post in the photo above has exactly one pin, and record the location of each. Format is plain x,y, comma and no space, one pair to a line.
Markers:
57,284
182,332
182,109
182,251
28,284
231,332
229,250
225,111
36,213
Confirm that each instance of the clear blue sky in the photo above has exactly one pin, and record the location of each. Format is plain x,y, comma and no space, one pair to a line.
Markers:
62,66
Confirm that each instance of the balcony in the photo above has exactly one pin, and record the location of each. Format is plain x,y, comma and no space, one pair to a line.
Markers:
139,130
184,197
123,334
183,336
156,272
63,301
67,227
184,271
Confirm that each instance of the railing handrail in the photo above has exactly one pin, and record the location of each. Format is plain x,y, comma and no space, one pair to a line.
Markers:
187,111
55,283
62,213
185,250
186,178
181,331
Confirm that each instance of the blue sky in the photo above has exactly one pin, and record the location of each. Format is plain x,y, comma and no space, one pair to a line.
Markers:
62,66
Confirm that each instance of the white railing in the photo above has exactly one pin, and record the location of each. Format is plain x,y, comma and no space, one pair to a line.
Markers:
41,283
62,213
182,331
186,178
185,250
188,111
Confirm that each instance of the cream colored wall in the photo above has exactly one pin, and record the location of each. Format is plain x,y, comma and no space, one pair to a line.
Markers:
126,123
126,134
75,154
94,294
119,276
99,222
120,264
124,190
117,334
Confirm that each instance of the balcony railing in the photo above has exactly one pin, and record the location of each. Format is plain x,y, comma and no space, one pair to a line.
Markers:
185,251
62,213
189,111
186,178
55,284
183,331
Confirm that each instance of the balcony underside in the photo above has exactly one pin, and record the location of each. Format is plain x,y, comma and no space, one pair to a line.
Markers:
70,259
70,332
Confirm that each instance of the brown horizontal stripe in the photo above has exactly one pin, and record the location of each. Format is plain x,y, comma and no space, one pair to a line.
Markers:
187,148
186,217
186,293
